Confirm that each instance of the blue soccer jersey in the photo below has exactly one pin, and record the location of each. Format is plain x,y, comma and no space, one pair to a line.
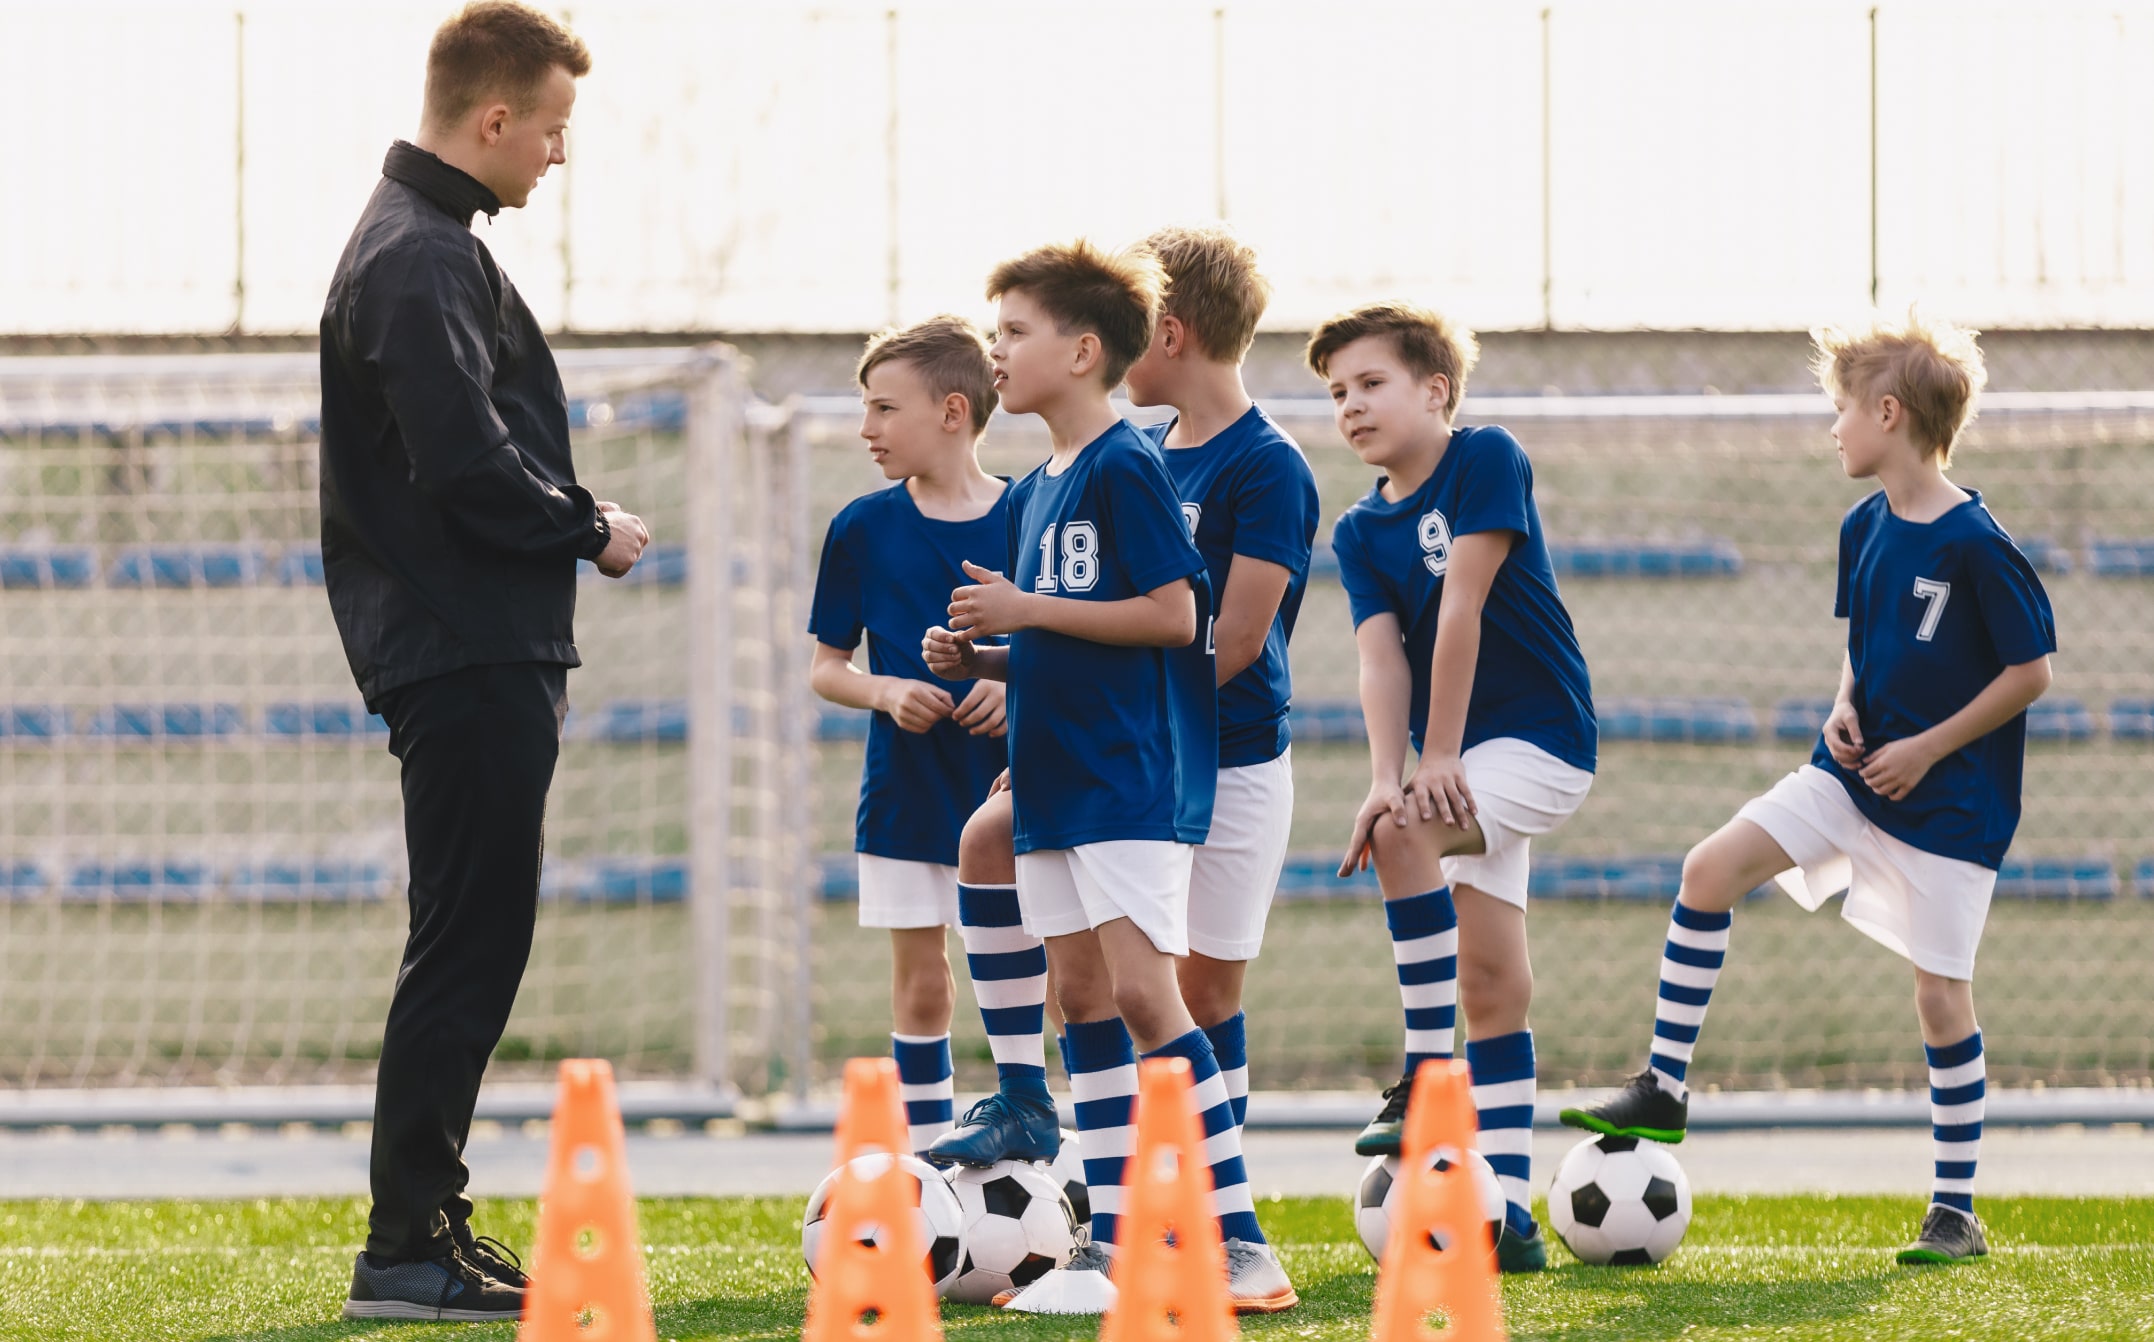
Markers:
1935,611
889,570
1106,742
1531,681
1249,491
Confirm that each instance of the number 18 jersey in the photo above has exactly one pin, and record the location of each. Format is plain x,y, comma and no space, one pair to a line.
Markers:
1106,742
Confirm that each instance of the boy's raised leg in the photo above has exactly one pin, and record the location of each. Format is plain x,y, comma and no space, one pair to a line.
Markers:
1958,1097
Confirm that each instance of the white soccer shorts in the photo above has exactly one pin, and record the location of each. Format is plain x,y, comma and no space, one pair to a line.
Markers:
896,893
1927,908
1066,890
1236,870
1519,791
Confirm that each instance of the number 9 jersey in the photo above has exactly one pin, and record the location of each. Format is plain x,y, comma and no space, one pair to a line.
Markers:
1107,742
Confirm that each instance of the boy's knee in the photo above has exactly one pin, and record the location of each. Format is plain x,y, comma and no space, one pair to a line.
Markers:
984,853
1710,880
1940,999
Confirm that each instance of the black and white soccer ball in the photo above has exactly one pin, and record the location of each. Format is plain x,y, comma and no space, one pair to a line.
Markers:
941,1221
1018,1228
1378,1198
1068,1171
1621,1202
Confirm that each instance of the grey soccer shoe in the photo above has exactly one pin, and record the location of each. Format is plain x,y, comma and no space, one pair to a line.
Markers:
1949,1235
1641,1109
437,1290
1256,1284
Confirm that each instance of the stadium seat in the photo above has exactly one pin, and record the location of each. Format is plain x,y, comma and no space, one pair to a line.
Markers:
1670,719
165,721
2132,719
1652,879
305,881
665,411
2057,878
300,566
2060,720
833,723
1316,876
2122,559
21,878
661,566
2143,877
1647,559
1800,719
1321,720
32,722
626,721
838,878
182,566
327,718
134,882
2045,554
64,566
615,880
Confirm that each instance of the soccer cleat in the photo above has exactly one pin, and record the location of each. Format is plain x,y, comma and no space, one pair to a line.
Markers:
1256,1284
1521,1253
447,1289
1079,1287
1949,1235
1004,1126
1388,1128
1641,1109
490,1256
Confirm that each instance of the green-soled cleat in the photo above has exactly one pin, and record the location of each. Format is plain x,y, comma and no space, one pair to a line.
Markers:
1641,1109
1948,1235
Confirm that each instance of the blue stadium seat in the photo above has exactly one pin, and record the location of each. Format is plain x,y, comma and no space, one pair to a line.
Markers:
2143,877
21,878
833,723
1322,562
2060,720
665,411
1317,720
615,880
165,721
2132,719
2057,878
838,877
1669,719
32,722
308,881
1800,719
1653,879
1316,876
2122,559
60,566
182,566
325,718
1647,559
626,721
2045,554
300,566
134,882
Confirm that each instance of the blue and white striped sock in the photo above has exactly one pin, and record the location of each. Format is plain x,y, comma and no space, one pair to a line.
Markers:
1503,1093
1232,1201
1424,945
1689,967
927,1085
1103,1083
1958,1082
1230,1044
1009,976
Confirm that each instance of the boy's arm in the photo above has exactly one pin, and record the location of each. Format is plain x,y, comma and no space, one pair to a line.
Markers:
914,704
1893,769
1439,781
1843,728
1255,587
1387,690
955,657
1165,617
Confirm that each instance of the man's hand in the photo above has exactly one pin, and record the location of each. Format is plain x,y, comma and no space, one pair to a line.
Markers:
947,655
1843,735
1893,769
914,704
1438,789
624,544
992,605
1385,799
985,712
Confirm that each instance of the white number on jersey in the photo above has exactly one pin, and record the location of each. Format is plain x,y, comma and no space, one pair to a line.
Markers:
1435,542
1046,581
1192,513
1933,595
1080,558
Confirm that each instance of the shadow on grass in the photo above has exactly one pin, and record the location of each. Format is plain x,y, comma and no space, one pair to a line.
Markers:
1646,1303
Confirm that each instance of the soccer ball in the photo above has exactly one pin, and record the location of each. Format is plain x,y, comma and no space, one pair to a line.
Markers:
1068,1171
1378,1198
1619,1201
940,1219
1018,1228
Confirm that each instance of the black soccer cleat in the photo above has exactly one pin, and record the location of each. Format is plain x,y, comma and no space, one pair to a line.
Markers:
490,1256
1387,1130
1521,1253
1641,1109
1948,1235
447,1289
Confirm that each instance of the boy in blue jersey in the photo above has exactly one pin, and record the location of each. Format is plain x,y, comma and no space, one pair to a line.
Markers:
1113,721
1912,793
934,744
1468,653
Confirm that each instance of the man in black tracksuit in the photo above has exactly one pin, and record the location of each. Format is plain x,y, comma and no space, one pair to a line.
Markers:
451,527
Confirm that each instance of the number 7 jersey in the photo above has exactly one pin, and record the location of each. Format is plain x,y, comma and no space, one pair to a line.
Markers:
1107,742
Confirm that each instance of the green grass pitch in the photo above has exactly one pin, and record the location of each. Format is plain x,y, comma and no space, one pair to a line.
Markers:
1807,1267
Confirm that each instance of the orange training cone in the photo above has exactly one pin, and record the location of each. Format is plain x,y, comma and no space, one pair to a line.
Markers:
877,1290
1166,1291
1417,1278
587,1267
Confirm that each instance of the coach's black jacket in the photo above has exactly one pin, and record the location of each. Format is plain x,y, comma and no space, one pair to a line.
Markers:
451,517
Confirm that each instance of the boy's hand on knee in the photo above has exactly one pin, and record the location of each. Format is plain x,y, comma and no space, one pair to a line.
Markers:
1438,790
1385,800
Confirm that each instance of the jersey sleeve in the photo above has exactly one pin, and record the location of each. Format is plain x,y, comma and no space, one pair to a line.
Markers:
1365,595
834,615
2015,608
1495,490
1275,509
1147,538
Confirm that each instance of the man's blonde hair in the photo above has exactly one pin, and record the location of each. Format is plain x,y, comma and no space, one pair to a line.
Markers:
1932,368
1427,343
1113,295
1213,288
948,353
496,48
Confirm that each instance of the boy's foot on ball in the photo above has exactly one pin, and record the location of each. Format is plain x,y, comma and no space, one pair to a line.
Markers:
1949,1235
490,1256
1643,1108
1080,1287
1385,1131
1256,1284
439,1290
1007,1125
1521,1253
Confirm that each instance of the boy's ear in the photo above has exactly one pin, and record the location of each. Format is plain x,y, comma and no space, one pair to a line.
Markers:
1087,355
1889,412
956,412
1173,336
1439,389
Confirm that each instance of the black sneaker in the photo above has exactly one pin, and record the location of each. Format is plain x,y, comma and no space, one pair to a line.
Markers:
1388,1129
1640,1109
446,1289
1521,1253
491,1256
1949,1235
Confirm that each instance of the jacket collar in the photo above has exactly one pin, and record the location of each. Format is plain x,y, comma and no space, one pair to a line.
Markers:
457,192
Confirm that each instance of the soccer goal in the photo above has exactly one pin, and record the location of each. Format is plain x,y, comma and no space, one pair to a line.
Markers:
201,848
